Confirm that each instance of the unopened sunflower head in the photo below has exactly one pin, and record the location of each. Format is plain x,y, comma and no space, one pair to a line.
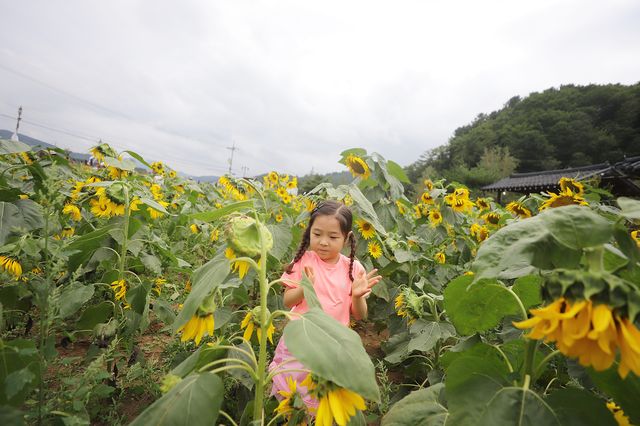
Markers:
409,305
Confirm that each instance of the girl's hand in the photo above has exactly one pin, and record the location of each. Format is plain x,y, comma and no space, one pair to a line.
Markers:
308,270
362,284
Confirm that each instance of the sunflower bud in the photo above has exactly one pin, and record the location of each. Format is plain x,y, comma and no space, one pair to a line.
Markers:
168,382
208,305
243,235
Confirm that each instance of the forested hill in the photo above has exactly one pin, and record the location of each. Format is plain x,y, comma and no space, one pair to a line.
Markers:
566,127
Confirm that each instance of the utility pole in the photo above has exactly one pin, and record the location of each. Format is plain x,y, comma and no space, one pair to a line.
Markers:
232,149
244,171
14,137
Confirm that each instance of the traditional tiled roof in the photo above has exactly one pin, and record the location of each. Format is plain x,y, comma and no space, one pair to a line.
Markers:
548,180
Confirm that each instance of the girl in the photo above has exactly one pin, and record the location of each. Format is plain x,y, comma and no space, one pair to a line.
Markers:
340,282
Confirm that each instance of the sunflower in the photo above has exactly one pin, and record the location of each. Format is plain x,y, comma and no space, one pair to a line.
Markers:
401,208
426,198
293,183
116,173
428,184
366,229
281,191
11,265
636,236
158,283
358,167
491,218
409,305
73,211
309,205
155,214
335,402
564,198
440,257
435,217
417,211
483,204
374,249
480,232
279,217
119,288
250,323
588,332
239,265
76,190
568,184
67,232
196,327
100,207
618,414
97,153
291,400
273,178
518,209
117,209
173,174
134,205
194,228
215,235
286,199
157,167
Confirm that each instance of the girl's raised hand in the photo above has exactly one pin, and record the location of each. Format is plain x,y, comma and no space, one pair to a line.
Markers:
363,282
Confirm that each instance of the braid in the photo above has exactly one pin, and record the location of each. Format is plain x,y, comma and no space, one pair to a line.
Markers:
301,250
352,242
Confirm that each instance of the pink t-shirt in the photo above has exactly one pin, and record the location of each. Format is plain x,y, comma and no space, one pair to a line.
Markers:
332,284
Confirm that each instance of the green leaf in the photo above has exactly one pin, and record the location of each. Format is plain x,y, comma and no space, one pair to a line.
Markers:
281,240
397,171
424,334
630,208
12,147
17,380
216,214
31,213
360,152
16,355
423,407
517,406
204,280
367,209
10,416
477,307
152,263
577,227
332,351
309,292
85,245
138,297
624,392
95,315
138,157
196,400
396,348
576,407
154,205
529,290
73,297
201,357
10,218
125,164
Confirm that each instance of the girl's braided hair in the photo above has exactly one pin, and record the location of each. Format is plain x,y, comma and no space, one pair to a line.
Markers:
345,218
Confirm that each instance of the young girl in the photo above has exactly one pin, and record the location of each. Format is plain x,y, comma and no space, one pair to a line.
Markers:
340,282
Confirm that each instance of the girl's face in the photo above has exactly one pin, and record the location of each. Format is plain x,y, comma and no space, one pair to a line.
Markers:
327,238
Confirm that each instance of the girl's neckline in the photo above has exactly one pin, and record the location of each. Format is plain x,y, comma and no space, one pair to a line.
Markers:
327,264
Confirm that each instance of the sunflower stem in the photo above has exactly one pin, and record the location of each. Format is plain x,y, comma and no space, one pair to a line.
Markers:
595,258
528,360
262,355
544,362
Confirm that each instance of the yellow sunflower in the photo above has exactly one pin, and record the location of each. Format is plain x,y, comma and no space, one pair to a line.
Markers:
426,198
73,211
401,208
173,174
358,167
366,229
335,402
250,323
636,236
286,405
194,228
119,288
491,218
240,266
564,198
440,257
483,204
568,184
11,265
618,414
435,217
428,184
273,178
196,327
215,234
158,283
374,249
518,209
100,207
279,217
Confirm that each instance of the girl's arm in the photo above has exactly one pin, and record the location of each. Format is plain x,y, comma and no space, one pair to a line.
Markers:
360,289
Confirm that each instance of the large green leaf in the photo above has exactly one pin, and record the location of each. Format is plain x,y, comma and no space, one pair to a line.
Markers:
576,407
15,383
138,157
422,407
9,219
204,280
517,406
281,240
424,334
201,357
153,204
477,307
31,213
577,227
12,147
332,351
196,400
95,315
125,164
73,297
216,214
625,393
83,247
367,209
630,208
396,170
529,290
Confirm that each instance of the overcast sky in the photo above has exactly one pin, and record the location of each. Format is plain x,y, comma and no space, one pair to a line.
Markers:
293,83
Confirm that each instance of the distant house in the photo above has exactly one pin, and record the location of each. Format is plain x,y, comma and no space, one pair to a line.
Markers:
618,177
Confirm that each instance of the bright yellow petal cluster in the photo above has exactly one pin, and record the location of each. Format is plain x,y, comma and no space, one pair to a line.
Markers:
459,201
518,209
374,249
435,217
358,167
194,228
483,204
119,288
480,232
366,229
239,266
589,332
401,208
440,257
618,414
564,198
426,198
157,167
568,184
73,211
491,218
636,236
249,324
11,265
285,407
335,403
196,327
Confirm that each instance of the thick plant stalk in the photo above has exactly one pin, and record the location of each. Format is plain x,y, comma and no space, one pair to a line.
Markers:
262,355
125,234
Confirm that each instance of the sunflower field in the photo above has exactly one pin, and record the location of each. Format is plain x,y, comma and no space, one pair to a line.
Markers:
129,295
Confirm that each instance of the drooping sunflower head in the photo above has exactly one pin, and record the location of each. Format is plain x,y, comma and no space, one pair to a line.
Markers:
636,236
409,305
428,184
11,265
571,184
492,218
426,198
273,177
564,198
358,167
461,193
483,204
440,257
401,208
518,209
